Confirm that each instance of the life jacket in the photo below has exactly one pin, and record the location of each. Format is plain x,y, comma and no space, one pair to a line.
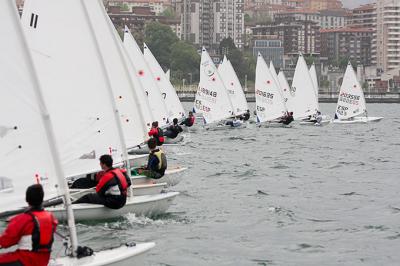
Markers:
41,239
118,175
158,134
162,160
191,120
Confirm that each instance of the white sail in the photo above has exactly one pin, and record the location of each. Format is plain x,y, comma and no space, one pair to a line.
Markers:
233,86
285,90
118,73
174,105
303,101
275,76
25,157
168,74
147,78
351,101
73,83
313,75
269,102
212,99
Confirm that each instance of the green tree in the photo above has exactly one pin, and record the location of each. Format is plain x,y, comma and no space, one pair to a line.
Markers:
168,12
185,62
160,39
247,18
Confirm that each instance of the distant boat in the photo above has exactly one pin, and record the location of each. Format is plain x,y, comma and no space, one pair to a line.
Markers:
270,106
233,86
212,99
351,106
304,102
168,92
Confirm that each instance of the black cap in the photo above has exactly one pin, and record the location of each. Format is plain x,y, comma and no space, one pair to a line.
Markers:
34,195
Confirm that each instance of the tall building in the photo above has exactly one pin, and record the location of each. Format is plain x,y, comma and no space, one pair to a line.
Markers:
352,43
206,23
363,16
229,21
387,45
325,19
296,36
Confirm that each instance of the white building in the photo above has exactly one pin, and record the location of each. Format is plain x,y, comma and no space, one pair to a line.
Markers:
387,45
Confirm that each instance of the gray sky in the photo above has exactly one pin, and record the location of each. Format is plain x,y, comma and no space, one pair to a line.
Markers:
355,3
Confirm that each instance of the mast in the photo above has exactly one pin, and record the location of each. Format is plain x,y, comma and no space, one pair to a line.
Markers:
46,118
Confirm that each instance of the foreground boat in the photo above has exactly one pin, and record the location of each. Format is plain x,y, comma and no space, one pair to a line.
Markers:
23,94
147,205
121,256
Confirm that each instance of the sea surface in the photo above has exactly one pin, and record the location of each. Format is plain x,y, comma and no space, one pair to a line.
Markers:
276,196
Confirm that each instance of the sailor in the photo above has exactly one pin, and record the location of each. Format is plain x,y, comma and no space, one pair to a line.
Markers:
188,121
157,162
111,191
156,133
246,115
318,118
32,231
234,123
287,118
173,130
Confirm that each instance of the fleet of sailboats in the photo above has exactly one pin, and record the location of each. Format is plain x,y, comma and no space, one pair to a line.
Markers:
101,99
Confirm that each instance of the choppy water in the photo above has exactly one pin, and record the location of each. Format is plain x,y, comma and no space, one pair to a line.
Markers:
272,196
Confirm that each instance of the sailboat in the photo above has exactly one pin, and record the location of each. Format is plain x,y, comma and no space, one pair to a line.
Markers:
150,86
174,105
303,102
171,99
270,104
93,126
212,99
286,90
233,86
28,136
351,107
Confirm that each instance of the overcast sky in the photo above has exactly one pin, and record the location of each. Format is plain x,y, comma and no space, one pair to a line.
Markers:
355,3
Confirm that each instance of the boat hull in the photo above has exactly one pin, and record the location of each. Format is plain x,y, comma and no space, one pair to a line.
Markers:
172,177
274,125
358,120
121,256
148,205
322,123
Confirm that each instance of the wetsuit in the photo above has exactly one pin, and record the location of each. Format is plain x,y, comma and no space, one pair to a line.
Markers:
33,232
173,131
111,191
188,121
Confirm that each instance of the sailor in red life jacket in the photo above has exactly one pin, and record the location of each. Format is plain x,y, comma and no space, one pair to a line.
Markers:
32,231
112,188
157,133
188,121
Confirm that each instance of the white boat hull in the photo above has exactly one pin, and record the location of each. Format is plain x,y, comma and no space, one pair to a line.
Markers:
274,125
358,120
172,177
308,123
148,205
121,256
